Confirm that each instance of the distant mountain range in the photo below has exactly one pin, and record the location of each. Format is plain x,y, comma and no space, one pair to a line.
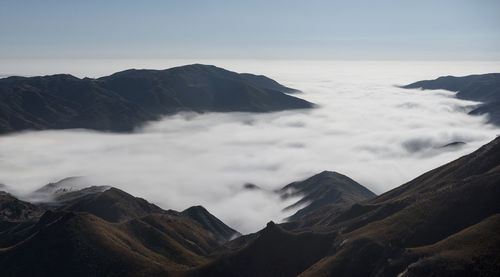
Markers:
484,88
125,100
445,222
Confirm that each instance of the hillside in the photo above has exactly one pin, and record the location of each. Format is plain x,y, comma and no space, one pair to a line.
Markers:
427,210
221,231
483,88
100,232
80,244
125,100
275,252
444,222
326,188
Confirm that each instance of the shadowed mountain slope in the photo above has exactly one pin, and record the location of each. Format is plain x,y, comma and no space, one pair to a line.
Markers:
262,81
124,100
425,211
114,205
469,252
443,220
209,222
16,218
80,244
325,188
13,209
484,88
104,233
275,252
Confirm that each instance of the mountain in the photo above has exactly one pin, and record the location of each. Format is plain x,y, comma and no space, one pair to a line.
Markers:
16,218
391,233
472,251
114,205
13,209
275,252
103,233
262,81
124,100
222,232
483,88
81,244
325,188
52,192
65,185
443,223
78,195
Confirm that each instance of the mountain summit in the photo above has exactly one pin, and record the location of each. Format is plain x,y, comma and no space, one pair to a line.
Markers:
325,189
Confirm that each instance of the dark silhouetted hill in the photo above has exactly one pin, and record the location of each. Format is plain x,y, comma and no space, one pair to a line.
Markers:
113,205
81,244
124,100
275,252
13,209
209,222
443,223
103,233
325,188
484,88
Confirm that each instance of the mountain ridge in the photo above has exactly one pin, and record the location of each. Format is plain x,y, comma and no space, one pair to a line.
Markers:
480,87
325,188
409,230
125,100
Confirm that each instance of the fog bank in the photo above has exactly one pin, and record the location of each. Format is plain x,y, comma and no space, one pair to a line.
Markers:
365,127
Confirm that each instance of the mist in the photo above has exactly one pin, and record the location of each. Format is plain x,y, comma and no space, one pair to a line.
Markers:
364,127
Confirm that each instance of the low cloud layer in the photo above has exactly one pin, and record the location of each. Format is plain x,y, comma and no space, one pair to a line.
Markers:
366,128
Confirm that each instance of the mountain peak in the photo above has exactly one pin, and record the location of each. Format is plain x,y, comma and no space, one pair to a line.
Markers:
221,231
325,188
270,224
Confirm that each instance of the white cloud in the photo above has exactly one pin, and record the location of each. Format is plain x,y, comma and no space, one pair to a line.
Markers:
366,128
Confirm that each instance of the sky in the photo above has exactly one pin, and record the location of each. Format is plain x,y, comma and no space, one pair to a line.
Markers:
188,29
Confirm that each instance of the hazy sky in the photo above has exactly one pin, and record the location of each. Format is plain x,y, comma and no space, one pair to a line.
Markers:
421,30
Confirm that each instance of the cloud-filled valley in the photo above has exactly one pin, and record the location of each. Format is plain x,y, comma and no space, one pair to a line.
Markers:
364,127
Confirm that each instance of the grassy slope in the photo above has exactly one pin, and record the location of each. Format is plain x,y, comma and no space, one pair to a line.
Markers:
434,206
81,244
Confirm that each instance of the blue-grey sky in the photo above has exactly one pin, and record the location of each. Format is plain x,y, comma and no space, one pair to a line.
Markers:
398,29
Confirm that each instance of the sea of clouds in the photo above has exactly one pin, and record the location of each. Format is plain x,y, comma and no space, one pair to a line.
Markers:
364,127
